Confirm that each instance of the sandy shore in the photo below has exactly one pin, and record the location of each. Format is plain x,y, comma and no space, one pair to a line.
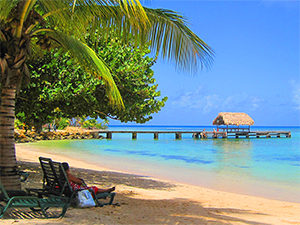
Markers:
145,200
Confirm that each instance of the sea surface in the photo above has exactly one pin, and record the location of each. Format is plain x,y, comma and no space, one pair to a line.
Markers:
267,167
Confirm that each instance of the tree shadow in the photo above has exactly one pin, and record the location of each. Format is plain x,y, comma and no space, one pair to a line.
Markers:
133,210
183,211
24,213
103,178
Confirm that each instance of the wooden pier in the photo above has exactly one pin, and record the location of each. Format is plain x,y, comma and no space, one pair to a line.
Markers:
200,134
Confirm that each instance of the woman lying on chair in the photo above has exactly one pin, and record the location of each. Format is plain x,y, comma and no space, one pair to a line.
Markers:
78,184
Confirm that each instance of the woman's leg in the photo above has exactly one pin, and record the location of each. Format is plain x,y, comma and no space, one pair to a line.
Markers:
98,190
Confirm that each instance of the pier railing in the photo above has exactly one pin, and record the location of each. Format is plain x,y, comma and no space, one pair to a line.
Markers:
199,134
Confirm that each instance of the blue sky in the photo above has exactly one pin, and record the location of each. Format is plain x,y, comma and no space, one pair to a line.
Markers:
256,68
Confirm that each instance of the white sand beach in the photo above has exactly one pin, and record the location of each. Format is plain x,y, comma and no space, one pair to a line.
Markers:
145,200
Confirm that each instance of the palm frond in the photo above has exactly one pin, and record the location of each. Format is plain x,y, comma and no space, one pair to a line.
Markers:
136,10
5,8
26,8
75,16
88,60
112,19
171,37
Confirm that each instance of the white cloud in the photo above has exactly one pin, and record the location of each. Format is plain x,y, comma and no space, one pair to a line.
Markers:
207,102
255,102
296,93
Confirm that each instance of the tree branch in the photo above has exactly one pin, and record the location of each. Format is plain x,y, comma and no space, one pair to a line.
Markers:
109,116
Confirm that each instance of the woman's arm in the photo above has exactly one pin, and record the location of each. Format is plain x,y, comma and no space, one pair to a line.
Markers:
74,179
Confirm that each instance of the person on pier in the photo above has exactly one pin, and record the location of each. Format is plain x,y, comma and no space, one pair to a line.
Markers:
215,133
203,134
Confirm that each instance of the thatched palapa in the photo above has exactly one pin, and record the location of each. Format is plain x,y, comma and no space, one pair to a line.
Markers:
230,118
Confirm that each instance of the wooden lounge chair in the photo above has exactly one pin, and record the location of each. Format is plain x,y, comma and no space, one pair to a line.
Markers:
53,184
19,199
55,181
68,190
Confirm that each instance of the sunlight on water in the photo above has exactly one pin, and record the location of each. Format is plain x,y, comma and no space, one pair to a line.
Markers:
276,160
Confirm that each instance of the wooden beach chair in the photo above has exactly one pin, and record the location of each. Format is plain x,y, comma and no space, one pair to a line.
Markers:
55,181
19,199
52,185
68,190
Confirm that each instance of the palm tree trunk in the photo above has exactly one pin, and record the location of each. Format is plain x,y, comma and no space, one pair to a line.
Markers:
8,164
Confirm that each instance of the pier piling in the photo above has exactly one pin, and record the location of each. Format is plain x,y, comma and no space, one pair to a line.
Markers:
108,135
134,135
199,134
178,136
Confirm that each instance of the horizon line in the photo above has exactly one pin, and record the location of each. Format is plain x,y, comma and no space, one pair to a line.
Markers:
141,125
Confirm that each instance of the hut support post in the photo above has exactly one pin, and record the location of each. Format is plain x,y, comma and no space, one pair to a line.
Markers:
196,135
178,136
108,135
155,135
134,135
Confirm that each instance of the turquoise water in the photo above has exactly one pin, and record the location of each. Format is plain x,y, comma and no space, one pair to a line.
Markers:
253,166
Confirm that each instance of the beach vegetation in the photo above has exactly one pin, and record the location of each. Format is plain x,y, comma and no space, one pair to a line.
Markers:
61,88
28,27
93,124
63,123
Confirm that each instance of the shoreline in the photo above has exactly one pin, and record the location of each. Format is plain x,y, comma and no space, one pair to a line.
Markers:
226,182
266,210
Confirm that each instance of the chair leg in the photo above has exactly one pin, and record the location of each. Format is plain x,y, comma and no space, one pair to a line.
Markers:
112,196
98,204
64,210
46,214
4,208
1,210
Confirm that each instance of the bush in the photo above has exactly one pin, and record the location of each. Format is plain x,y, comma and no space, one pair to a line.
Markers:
63,123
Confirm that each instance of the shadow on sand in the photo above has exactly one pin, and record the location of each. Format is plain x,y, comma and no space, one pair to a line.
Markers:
133,210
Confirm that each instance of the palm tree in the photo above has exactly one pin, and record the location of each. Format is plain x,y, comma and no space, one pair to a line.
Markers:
27,26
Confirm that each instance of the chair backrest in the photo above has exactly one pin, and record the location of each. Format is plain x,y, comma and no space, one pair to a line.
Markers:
63,179
51,182
55,180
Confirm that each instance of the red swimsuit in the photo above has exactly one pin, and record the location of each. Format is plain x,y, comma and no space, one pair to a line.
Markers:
79,187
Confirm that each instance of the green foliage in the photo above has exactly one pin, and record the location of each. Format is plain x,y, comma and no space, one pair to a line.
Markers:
19,124
29,25
131,69
63,123
94,124
60,88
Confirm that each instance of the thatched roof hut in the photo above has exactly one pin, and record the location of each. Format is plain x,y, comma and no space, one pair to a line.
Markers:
236,119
